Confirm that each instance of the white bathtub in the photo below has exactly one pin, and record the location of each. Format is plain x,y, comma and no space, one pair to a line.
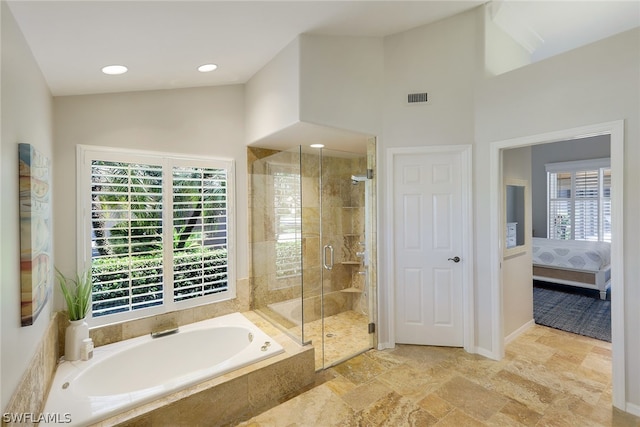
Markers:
129,373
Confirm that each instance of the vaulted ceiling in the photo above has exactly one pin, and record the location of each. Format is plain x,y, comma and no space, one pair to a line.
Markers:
163,42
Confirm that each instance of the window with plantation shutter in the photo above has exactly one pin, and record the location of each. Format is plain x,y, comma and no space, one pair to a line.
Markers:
126,241
579,200
156,231
288,225
200,232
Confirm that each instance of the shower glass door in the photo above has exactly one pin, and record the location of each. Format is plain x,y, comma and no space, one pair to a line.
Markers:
311,245
335,299
276,238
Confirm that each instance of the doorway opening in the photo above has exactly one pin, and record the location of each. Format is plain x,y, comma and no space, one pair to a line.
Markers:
616,132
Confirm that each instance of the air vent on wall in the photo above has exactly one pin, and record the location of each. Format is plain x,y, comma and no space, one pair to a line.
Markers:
417,98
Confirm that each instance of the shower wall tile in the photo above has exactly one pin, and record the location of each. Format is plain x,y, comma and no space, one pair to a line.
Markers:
310,222
264,292
284,283
331,221
263,258
139,327
257,153
312,308
311,252
343,213
357,220
101,336
351,245
310,193
259,288
337,302
310,165
312,286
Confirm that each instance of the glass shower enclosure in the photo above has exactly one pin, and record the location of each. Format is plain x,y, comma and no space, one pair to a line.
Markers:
311,239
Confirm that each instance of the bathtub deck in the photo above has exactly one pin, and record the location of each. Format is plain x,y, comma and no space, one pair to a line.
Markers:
232,397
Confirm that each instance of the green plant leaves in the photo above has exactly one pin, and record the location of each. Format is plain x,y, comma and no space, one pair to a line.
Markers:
77,293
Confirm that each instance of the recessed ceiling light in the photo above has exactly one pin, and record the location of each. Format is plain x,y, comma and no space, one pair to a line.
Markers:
207,67
317,146
113,70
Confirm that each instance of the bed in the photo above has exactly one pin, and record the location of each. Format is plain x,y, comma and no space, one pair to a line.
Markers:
573,262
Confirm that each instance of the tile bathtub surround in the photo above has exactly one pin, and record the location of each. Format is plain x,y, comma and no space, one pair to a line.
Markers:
548,378
32,391
232,397
108,334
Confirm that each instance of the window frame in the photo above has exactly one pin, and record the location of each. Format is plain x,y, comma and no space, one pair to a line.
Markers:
273,170
85,154
573,168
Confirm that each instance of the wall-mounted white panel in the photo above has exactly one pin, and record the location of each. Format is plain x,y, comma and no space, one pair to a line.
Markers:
341,82
272,95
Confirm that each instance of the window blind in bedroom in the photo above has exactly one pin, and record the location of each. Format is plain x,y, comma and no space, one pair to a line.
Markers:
579,200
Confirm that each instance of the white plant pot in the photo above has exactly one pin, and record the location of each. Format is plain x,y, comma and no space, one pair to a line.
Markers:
74,334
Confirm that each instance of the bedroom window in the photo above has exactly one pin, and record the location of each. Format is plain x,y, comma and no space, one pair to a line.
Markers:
579,200
155,231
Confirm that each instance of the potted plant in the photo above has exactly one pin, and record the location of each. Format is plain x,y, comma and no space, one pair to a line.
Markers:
77,296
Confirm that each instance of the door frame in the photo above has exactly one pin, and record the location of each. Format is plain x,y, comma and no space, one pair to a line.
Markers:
616,131
467,254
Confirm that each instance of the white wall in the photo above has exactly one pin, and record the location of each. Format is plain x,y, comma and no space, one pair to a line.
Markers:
501,52
273,94
517,277
595,147
442,60
594,84
26,117
199,121
341,82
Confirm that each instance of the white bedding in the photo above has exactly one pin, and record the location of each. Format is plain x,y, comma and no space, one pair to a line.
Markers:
573,254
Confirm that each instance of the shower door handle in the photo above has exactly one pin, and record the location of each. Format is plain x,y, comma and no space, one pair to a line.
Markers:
326,265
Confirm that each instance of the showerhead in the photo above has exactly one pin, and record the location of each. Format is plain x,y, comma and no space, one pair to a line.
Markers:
355,179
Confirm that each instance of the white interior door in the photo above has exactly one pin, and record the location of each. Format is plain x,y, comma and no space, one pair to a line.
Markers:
428,243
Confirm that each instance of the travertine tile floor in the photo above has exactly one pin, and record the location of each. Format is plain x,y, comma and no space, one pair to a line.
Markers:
548,378
341,336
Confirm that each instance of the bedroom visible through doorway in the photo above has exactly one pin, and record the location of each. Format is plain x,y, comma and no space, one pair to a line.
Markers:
615,130
571,234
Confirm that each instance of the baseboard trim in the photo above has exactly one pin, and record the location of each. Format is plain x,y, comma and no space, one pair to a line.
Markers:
515,334
385,345
487,353
632,408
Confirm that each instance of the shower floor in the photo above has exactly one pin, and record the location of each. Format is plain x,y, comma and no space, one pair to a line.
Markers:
345,335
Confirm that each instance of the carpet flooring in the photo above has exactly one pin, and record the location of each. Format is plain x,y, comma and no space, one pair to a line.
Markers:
575,310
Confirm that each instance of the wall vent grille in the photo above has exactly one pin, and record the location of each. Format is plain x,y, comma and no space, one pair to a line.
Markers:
417,98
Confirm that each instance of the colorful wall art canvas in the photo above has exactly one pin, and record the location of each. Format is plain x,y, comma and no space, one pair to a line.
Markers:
36,270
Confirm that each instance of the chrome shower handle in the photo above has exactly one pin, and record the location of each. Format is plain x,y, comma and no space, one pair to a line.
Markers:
324,257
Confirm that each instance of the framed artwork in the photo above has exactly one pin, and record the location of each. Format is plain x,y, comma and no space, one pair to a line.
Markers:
36,269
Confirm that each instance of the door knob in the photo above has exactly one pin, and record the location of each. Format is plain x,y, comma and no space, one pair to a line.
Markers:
455,259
